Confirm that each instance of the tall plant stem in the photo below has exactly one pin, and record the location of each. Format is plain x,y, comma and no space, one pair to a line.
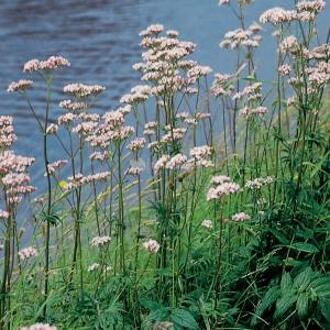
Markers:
218,267
49,201
279,125
95,201
5,287
120,210
138,233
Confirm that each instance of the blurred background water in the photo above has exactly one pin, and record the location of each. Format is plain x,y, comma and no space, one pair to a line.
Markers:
100,38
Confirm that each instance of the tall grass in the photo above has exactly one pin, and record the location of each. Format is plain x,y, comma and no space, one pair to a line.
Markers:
210,212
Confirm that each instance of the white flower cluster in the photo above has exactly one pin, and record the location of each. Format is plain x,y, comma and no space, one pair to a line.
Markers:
151,246
100,241
258,183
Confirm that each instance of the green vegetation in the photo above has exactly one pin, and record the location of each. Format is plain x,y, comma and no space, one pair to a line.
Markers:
204,228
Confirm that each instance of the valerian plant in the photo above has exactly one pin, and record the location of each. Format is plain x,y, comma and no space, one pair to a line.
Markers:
187,206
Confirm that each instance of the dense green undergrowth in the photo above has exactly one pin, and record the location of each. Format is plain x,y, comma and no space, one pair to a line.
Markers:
207,227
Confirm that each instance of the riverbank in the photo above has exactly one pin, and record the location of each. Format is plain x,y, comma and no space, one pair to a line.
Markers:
191,206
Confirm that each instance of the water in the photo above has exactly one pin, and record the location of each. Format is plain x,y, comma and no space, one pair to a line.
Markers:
100,38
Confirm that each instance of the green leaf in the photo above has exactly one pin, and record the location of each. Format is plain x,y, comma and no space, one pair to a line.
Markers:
279,236
250,78
286,283
303,279
284,304
53,219
270,297
320,281
304,247
302,305
158,315
325,308
183,318
149,304
323,290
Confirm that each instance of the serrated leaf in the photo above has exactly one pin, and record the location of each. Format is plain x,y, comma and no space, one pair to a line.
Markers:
183,318
280,237
270,297
284,304
302,305
320,281
160,314
286,282
325,308
323,290
303,279
149,304
304,247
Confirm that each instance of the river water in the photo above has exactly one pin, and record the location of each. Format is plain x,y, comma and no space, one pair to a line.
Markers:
100,38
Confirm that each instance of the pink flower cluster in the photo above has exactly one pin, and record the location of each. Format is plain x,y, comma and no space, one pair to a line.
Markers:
139,94
201,152
284,70
289,45
14,179
136,144
66,119
242,38
27,253
239,217
79,180
161,163
319,75
247,112
39,326
304,11
73,105
173,134
312,6
220,179
241,2
192,120
4,214
52,129
152,30
165,66
9,162
55,166
52,63
250,93
99,156
19,86
111,128
258,183
151,246
321,52
176,162
79,90
222,85
85,128
223,189
150,128
134,171
278,15
100,241
208,224
7,135
16,182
